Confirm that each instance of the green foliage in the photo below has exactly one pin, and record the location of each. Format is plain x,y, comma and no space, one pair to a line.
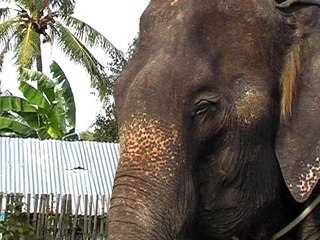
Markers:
106,128
15,225
87,135
47,111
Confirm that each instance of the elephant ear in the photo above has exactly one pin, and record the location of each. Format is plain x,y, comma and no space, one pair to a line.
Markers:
298,137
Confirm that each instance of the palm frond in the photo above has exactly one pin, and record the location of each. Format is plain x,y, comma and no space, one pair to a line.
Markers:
27,48
4,13
2,54
29,5
84,31
90,36
8,1
65,6
8,42
77,52
7,30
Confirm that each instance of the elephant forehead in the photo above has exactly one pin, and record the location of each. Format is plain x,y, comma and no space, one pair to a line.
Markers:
146,139
251,105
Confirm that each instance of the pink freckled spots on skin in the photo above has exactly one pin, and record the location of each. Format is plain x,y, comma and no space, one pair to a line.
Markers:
310,179
174,2
148,141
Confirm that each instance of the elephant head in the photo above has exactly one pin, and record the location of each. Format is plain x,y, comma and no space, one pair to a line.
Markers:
217,110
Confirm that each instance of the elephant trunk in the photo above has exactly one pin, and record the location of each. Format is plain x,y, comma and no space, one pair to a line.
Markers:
151,197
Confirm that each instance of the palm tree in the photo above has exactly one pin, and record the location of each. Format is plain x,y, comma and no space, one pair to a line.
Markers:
27,24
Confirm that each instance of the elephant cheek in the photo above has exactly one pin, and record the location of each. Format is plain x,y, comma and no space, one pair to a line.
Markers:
152,189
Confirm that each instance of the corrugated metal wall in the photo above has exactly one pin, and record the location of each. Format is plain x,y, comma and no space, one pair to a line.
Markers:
58,167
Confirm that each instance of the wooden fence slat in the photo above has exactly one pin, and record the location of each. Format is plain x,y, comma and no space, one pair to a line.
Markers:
11,202
61,217
106,215
35,210
85,228
75,220
28,199
7,206
39,214
47,222
1,199
95,219
43,215
90,216
50,217
68,216
56,218
102,220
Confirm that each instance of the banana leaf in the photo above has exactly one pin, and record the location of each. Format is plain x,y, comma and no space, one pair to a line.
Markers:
12,125
66,92
44,83
33,95
15,104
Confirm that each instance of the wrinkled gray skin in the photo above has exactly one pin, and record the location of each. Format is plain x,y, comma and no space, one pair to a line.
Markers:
288,3
204,154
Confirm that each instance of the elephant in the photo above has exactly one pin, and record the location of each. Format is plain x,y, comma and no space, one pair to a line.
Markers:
218,122
288,3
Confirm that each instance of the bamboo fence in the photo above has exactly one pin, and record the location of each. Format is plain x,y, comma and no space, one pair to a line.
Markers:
52,217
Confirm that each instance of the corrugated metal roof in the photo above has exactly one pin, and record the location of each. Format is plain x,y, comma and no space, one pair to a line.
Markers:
59,167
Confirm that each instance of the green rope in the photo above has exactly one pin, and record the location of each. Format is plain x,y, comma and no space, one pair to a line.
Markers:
297,220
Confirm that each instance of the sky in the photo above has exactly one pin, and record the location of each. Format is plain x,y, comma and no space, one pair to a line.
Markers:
118,21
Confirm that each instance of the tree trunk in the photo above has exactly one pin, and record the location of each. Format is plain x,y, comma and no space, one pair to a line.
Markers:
39,59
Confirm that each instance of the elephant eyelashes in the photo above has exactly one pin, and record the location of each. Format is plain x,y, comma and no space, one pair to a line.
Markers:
203,106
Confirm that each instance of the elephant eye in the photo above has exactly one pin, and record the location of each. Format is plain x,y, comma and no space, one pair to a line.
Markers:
203,106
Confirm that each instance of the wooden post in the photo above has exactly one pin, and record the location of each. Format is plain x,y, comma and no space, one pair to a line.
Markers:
90,216
62,213
68,217
46,216
85,228
56,217
75,220
95,220
40,214
28,208
10,202
1,197
35,211
102,219
106,215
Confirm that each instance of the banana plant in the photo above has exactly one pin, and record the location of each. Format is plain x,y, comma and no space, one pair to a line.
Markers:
45,111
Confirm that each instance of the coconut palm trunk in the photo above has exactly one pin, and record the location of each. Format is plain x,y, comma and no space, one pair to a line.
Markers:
39,59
